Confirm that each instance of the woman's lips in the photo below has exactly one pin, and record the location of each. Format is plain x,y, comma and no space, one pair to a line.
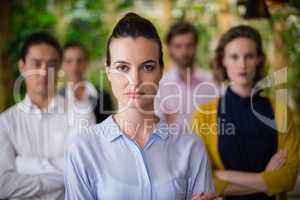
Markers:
134,94
244,74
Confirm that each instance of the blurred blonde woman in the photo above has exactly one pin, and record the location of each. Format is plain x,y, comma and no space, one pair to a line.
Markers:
253,154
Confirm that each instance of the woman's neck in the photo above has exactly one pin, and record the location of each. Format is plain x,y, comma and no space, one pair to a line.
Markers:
241,90
137,125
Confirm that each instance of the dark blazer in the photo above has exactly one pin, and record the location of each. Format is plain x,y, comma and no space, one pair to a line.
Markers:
103,104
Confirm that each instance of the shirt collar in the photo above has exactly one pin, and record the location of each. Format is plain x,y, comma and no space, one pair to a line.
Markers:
112,129
235,98
195,75
28,106
90,90
161,129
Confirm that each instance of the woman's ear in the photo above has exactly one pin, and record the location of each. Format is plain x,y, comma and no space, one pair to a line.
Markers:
108,74
223,62
21,66
260,59
161,73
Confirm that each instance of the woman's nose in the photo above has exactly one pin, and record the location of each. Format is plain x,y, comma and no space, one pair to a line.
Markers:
243,63
135,78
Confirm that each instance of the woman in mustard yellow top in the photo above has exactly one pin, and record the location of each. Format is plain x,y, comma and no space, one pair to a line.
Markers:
251,140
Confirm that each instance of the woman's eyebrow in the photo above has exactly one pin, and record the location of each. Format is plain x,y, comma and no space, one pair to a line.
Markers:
145,62
149,62
34,60
120,62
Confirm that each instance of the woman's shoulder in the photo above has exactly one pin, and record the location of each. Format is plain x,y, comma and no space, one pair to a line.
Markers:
283,113
184,139
210,105
205,111
91,136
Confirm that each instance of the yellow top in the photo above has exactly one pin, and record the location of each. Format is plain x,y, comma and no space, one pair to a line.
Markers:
278,181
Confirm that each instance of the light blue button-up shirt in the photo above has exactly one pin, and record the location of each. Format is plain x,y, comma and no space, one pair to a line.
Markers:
104,163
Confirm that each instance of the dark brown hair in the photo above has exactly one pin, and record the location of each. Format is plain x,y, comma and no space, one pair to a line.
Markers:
37,38
241,31
181,28
132,25
77,44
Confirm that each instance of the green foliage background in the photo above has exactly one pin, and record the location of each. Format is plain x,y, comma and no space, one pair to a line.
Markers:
91,21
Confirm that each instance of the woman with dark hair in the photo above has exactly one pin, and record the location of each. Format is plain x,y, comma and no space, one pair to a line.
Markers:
251,140
132,154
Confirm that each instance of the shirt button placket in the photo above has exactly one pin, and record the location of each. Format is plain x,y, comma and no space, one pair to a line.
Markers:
143,173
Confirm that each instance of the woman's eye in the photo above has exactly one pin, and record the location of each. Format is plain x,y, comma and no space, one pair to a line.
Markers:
148,68
35,65
122,68
234,57
250,56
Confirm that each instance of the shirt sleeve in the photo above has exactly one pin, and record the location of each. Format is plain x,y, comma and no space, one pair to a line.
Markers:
16,185
200,178
77,186
201,123
284,179
35,165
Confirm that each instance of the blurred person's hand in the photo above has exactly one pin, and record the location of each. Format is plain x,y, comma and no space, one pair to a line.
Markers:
202,196
277,160
222,174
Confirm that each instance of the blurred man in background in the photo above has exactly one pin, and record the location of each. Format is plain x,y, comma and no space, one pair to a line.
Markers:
33,133
83,97
185,86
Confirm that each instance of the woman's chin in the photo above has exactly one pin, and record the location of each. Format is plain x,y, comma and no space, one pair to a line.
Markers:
243,82
141,106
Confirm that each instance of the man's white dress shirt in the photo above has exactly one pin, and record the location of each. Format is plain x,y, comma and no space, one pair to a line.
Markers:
180,99
81,109
32,143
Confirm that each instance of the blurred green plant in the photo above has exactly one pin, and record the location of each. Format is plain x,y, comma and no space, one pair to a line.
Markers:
91,21
68,20
291,36
87,22
84,23
26,17
202,15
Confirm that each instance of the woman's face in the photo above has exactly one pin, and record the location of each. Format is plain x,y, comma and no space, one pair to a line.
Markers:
240,61
134,72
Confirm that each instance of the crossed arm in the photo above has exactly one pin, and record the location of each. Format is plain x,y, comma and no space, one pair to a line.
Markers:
243,183
279,175
15,184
